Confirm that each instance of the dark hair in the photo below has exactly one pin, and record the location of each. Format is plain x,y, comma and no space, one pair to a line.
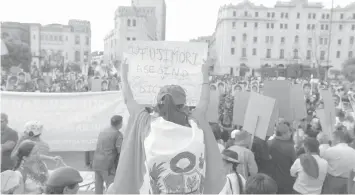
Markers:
311,144
306,85
57,190
171,112
341,114
310,132
116,120
260,184
342,135
24,150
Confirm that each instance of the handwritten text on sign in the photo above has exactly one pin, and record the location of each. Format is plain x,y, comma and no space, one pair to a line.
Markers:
153,65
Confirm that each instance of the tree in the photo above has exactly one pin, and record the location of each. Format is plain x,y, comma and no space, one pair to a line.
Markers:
19,54
348,69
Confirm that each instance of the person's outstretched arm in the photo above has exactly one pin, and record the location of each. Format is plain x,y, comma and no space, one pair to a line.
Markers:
202,105
129,100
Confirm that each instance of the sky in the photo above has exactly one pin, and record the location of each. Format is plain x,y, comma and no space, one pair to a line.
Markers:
186,19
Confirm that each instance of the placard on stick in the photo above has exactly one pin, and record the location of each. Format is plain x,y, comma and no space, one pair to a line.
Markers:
298,104
153,64
212,114
241,100
280,90
258,115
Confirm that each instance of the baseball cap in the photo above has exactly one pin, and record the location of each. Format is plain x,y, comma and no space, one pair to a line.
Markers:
64,176
175,91
230,156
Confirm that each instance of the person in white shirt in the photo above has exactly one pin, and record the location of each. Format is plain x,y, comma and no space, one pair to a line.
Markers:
235,182
309,169
341,161
323,140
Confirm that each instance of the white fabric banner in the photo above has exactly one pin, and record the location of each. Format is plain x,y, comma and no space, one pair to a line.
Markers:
154,64
72,121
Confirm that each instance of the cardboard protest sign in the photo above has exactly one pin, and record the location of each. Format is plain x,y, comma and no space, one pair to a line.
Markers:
153,64
281,91
273,120
241,100
298,104
212,114
258,115
96,84
323,121
329,108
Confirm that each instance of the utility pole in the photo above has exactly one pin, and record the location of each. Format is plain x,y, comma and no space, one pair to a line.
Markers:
329,40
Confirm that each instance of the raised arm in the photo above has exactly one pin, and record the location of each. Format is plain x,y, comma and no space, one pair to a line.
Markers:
202,105
129,100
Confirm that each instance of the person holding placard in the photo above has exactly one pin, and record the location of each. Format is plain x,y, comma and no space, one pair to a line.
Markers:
175,152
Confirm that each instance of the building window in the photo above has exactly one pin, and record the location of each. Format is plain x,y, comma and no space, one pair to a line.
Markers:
267,39
298,15
273,15
321,41
308,57
133,38
341,16
325,41
296,39
234,13
255,39
309,16
87,41
326,27
128,22
322,27
245,24
245,13
51,37
350,54
268,14
313,26
77,39
268,53
308,27
255,25
327,16
309,41
256,14
271,39
254,51
339,41
282,40
297,26
267,25
322,55
244,52
134,23
353,15
323,16
295,53
286,15
353,27
60,38
233,24
55,38
282,15
282,54
34,36
340,27
232,51
338,54
281,26
351,40
272,25
286,26
244,37
314,16
66,38
233,39
77,56
128,38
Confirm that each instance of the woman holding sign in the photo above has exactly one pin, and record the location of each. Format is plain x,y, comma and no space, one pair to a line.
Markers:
174,152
